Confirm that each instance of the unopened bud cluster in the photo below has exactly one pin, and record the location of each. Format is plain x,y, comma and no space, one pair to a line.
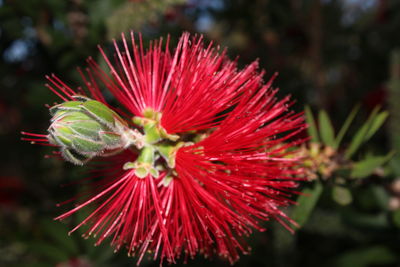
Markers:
85,128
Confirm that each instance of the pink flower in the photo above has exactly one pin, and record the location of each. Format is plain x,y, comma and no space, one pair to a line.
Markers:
220,163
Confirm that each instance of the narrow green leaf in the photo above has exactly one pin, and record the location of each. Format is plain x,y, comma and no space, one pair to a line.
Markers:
312,127
342,195
307,203
356,142
376,124
346,126
367,166
326,129
359,137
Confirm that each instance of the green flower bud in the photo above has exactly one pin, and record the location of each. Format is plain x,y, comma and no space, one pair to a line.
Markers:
86,128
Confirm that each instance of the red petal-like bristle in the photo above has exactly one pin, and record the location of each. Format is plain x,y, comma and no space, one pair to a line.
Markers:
241,173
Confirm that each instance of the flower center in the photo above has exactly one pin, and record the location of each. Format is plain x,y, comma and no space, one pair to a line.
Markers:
157,148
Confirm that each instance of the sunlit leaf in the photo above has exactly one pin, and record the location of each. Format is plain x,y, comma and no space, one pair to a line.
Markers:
312,127
367,166
346,126
376,124
326,129
360,135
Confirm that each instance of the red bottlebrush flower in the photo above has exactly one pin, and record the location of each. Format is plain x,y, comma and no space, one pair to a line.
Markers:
207,157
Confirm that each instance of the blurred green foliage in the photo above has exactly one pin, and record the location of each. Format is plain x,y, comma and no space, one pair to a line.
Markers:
330,55
330,166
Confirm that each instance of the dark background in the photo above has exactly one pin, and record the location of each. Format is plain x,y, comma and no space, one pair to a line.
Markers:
329,54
